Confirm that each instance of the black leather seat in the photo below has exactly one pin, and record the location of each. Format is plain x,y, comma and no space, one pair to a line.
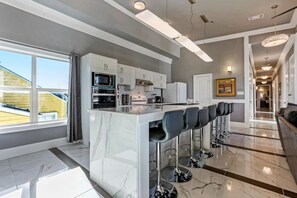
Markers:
191,119
172,125
176,173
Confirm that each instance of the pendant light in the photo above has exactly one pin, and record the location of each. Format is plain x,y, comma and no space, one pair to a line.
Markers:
276,39
267,66
162,26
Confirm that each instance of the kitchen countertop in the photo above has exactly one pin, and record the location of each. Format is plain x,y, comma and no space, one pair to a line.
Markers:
146,109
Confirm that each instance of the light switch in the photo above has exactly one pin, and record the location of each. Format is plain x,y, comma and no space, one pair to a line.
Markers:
240,93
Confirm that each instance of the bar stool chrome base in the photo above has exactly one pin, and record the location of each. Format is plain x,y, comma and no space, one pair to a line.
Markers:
180,175
165,190
215,145
201,153
192,162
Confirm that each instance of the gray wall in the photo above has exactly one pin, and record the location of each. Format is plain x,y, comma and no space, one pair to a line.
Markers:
223,53
25,28
238,113
11,140
105,17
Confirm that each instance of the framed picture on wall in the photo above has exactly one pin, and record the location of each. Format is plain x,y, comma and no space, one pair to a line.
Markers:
226,87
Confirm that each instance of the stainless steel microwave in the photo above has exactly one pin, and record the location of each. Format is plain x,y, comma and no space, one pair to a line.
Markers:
103,80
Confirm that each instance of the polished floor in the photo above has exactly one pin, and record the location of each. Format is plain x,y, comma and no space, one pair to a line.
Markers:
250,164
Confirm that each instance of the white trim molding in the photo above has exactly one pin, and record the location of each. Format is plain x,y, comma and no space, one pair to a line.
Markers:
284,53
31,148
70,22
286,26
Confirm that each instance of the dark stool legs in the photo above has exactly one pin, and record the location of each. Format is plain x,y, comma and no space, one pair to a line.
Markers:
175,173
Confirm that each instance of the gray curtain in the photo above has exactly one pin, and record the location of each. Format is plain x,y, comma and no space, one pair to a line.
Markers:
74,129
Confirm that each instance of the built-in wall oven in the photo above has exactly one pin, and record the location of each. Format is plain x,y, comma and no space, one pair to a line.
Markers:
103,91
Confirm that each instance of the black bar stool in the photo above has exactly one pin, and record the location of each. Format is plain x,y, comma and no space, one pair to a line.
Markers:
220,138
172,125
212,109
203,118
191,119
176,173
226,112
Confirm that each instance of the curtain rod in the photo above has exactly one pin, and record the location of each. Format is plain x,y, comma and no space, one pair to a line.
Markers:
33,46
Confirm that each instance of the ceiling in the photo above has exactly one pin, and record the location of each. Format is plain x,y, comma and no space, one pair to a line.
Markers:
229,16
260,52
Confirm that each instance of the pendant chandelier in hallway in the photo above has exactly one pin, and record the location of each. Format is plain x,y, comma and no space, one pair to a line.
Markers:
276,39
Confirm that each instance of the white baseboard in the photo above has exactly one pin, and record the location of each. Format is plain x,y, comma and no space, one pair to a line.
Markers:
31,148
240,124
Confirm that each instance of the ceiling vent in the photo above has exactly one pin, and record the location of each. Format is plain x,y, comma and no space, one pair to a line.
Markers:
252,18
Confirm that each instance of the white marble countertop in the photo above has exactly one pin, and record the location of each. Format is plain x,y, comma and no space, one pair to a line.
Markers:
146,109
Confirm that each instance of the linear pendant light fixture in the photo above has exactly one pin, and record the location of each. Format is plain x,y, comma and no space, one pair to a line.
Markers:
155,22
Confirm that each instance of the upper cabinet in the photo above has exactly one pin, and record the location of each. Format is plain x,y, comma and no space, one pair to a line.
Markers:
103,64
143,74
159,80
126,75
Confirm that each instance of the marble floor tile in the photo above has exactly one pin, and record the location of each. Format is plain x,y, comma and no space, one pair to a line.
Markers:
79,153
267,145
68,184
256,132
208,184
264,125
223,157
30,167
269,169
90,194
7,183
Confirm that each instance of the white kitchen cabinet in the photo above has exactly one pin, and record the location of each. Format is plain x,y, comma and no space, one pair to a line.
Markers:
143,74
103,64
159,81
126,75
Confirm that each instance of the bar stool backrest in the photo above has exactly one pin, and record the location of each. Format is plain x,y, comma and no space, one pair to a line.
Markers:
226,109
212,109
203,118
220,109
173,124
190,118
232,107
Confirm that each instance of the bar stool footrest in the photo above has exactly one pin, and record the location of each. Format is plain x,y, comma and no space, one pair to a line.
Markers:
177,175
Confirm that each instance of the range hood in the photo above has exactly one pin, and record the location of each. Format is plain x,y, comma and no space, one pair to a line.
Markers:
140,82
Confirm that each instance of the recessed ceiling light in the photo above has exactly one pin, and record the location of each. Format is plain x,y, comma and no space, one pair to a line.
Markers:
264,77
264,82
139,5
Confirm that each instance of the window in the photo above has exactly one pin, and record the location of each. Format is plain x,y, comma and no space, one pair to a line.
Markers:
32,88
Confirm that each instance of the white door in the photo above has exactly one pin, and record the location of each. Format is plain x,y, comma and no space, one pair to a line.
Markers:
273,96
202,88
291,76
251,83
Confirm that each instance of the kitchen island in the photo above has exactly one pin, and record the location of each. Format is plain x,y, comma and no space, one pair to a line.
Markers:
120,148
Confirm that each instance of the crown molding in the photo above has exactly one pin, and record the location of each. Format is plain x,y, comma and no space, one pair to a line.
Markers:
70,22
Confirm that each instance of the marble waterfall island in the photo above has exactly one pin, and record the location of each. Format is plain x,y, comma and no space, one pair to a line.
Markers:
119,148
